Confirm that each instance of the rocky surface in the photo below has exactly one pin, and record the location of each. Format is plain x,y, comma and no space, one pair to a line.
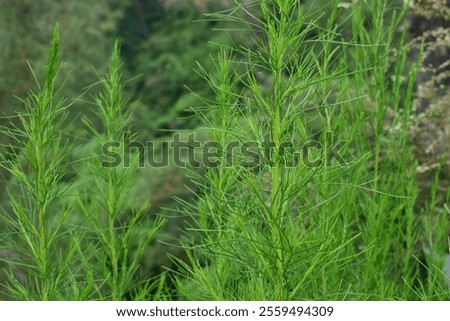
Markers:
430,133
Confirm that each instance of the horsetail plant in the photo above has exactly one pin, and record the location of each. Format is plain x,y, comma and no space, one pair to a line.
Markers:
122,233
309,189
40,248
324,207
253,221
50,250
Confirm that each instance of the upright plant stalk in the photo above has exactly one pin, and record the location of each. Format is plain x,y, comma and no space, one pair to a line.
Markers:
252,229
123,233
277,46
37,220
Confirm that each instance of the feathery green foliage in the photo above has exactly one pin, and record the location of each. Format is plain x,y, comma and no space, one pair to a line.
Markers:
340,223
122,237
89,249
308,189
36,221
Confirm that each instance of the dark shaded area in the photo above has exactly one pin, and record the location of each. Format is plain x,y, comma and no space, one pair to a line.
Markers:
138,24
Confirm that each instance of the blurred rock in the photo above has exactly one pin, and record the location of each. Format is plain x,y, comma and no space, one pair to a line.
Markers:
430,23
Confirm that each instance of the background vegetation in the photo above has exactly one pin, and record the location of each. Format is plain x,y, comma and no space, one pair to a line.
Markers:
376,228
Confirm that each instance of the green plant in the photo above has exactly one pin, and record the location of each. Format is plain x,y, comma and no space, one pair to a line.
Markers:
66,243
122,233
308,189
87,36
328,211
42,248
